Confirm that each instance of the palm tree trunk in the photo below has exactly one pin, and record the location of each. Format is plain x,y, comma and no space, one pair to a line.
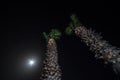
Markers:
101,48
51,69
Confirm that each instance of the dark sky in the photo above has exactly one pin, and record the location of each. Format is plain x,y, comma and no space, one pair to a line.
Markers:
22,39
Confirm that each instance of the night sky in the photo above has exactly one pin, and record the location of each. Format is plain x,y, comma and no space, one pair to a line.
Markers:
22,39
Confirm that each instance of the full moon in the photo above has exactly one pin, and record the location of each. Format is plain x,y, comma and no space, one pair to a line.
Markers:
31,62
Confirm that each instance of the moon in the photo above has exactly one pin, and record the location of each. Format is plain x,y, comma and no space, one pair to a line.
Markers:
31,62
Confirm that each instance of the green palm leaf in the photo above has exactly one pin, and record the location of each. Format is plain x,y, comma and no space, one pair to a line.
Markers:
54,33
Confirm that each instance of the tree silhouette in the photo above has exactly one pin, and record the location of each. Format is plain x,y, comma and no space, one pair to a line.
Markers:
51,69
101,48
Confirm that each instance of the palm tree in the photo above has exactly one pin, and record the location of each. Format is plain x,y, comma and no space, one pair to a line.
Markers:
51,69
101,48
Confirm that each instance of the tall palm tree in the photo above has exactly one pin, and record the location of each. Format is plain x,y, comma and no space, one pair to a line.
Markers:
51,69
101,48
